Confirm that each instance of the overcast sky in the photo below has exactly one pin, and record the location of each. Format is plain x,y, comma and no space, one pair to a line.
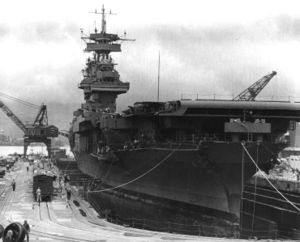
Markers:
206,47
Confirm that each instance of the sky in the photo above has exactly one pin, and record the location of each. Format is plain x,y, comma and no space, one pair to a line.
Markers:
207,48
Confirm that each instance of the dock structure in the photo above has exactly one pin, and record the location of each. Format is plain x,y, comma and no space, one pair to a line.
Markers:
61,220
267,213
45,183
43,179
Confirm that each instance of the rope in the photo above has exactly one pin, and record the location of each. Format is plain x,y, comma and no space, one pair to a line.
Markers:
255,187
19,100
264,175
242,185
139,177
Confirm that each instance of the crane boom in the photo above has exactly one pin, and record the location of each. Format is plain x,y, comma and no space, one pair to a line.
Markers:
39,131
12,116
251,92
42,117
64,133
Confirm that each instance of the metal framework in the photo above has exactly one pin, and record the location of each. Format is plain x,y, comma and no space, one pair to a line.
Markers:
251,92
12,116
42,117
39,131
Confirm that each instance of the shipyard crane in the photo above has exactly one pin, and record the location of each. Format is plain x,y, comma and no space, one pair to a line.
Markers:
64,133
251,92
39,131
12,116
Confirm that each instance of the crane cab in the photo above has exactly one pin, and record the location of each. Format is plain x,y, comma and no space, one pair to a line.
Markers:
41,131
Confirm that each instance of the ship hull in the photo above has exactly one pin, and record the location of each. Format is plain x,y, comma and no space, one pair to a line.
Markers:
178,185
160,214
266,213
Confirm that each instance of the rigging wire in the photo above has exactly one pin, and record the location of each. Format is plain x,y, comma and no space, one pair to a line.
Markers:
264,175
255,193
140,176
242,190
26,103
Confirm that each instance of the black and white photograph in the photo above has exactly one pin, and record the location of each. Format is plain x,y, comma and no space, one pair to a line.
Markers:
149,120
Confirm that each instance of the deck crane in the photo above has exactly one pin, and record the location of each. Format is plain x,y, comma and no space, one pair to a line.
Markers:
251,92
39,131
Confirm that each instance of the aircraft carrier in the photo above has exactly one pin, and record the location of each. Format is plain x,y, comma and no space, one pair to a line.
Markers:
177,166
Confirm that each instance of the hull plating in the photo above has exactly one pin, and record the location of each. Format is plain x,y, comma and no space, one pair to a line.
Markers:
266,214
209,177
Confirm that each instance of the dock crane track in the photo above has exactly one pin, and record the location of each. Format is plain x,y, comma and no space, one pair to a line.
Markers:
64,226
5,207
59,237
6,202
40,233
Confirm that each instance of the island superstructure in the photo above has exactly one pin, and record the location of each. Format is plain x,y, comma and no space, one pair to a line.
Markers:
175,164
101,83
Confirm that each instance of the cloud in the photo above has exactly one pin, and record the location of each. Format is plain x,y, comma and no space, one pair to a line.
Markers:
220,59
288,27
4,30
46,32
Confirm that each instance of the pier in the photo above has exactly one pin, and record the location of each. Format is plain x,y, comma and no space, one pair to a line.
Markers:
59,220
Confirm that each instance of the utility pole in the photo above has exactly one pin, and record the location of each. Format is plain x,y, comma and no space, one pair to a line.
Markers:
158,76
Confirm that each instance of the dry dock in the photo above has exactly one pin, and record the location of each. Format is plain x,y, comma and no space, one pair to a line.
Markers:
59,221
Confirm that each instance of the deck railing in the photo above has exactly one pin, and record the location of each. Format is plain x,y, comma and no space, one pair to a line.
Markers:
197,96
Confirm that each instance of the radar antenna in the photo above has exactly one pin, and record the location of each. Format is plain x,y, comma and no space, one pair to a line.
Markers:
103,22
251,92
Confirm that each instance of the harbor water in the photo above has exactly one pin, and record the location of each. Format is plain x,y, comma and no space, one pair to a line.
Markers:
36,149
